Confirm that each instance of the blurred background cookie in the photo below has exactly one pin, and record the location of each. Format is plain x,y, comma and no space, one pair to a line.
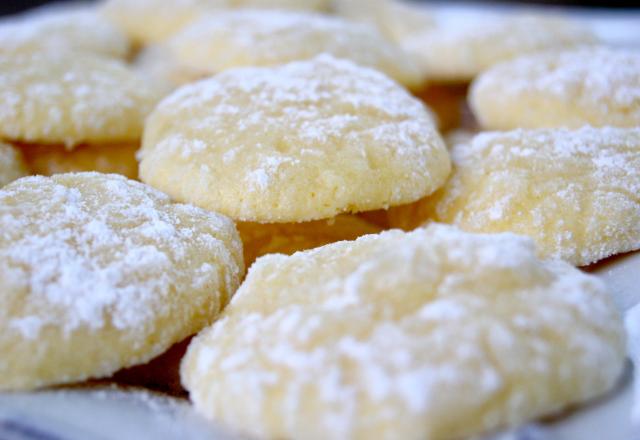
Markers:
252,37
460,46
595,86
151,21
78,29
395,19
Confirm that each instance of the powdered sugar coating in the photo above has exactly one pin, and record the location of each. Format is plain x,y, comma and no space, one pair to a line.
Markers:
152,21
574,191
253,37
597,86
12,165
100,272
459,46
81,30
72,98
303,141
433,334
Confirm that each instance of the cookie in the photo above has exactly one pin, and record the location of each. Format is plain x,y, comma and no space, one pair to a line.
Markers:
573,191
47,160
260,239
461,45
12,165
396,19
72,98
100,273
434,334
595,86
151,21
253,37
299,142
77,30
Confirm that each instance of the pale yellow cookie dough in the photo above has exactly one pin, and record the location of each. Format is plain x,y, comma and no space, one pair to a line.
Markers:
595,86
253,37
81,30
72,98
575,192
151,21
304,141
100,272
463,44
12,165
260,239
434,334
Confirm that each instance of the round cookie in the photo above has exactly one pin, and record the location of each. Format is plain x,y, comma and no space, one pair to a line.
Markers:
461,45
12,165
77,30
151,21
253,37
573,191
304,141
47,160
434,334
72,98
260,239
395,19
100,273
594,86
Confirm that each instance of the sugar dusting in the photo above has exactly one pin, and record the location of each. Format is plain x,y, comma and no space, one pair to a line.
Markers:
580,173
99,250
255,37
593,79
430,327
461,44
66,97
274,135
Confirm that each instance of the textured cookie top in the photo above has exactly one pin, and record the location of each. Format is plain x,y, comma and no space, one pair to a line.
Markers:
72,98
596,86
252,37
574,191
155,20
460,46
80,30
303,141
430,334
92,258
12,165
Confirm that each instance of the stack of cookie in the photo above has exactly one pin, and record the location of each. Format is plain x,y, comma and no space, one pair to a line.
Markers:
295,134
